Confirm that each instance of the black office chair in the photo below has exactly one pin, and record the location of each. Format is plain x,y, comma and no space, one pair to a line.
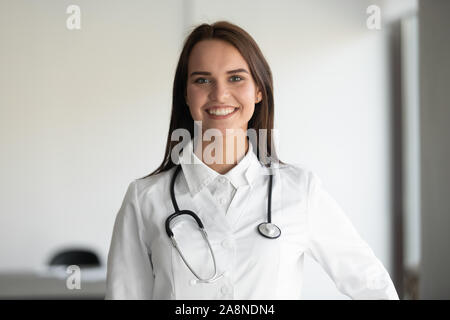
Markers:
79,257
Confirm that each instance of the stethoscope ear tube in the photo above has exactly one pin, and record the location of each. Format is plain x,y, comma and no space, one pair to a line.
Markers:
179,213
266,229
169,232
269,229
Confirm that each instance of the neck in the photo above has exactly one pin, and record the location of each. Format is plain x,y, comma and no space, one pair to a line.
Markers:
222,156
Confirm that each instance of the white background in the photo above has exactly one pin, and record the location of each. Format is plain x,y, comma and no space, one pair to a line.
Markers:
84,112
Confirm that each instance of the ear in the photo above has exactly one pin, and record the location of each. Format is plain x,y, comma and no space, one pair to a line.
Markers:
258,96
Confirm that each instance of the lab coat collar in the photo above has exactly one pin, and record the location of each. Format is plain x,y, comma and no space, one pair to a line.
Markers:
198,175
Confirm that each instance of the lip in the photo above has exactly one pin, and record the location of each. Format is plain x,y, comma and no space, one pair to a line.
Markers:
217,117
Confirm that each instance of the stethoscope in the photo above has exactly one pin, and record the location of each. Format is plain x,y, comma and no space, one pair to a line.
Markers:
266,229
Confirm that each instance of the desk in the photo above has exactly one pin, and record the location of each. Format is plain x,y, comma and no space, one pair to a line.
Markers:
51,284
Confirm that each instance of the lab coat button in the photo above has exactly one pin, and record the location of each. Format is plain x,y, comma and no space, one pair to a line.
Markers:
225,290
227,244
223,180
222,200
193,282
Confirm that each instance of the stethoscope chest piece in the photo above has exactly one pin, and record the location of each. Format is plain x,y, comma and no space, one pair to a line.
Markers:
269,230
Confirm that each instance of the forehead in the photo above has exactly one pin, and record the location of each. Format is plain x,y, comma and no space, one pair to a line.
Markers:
215,55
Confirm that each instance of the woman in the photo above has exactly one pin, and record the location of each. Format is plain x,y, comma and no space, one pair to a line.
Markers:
261,216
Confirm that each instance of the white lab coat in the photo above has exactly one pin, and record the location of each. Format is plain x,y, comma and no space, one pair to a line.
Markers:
142,263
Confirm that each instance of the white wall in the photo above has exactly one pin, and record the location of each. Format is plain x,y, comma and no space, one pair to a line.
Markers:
85,112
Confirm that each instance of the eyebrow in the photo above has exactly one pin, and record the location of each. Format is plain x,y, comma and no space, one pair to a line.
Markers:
205,73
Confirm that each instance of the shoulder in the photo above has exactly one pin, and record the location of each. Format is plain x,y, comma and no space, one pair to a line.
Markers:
299,175
153,183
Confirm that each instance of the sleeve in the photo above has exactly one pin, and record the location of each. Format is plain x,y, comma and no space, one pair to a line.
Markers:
337,247
129,269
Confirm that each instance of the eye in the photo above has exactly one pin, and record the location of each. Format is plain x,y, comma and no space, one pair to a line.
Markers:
236,78
201,80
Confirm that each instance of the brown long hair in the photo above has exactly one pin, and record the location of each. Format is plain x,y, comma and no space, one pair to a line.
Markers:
263,116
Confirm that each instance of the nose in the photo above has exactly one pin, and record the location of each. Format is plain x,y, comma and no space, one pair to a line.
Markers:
219,92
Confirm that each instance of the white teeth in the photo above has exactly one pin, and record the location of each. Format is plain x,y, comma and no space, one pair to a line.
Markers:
221,111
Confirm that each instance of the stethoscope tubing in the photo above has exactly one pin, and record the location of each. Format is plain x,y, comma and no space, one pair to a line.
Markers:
266,229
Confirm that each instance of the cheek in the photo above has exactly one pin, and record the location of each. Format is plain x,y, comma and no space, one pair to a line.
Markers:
246,93
246,96
194,93
248,112
196,99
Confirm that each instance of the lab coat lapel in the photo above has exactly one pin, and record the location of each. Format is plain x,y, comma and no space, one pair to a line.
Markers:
204,206
209,212
239,205
245,194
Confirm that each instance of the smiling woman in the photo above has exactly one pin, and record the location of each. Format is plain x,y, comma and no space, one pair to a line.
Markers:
223,97
223,81
220,245
220,93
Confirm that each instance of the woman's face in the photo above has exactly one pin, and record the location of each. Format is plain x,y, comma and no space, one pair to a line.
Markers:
219,82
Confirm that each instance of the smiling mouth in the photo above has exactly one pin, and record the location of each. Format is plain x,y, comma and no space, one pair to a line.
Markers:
221,111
